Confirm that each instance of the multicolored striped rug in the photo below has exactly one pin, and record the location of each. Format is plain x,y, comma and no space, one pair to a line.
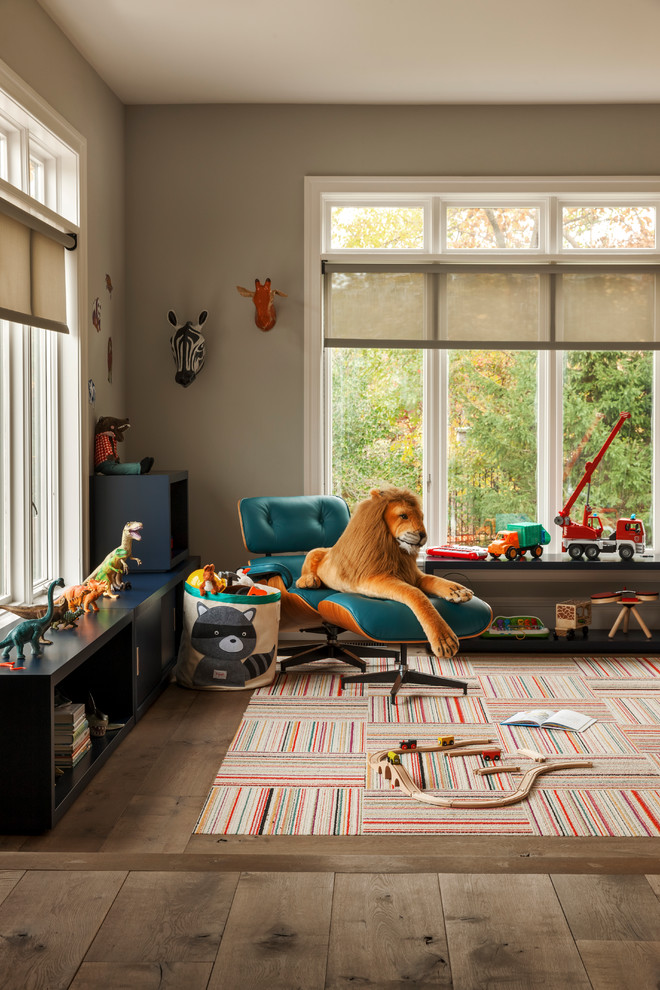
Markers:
297,764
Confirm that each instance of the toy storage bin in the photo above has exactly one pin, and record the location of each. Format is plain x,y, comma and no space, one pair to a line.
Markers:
229,640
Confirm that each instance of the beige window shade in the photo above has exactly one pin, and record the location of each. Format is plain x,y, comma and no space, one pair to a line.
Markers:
32,270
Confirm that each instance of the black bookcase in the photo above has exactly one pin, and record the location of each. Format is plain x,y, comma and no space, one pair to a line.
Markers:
123,655
159,500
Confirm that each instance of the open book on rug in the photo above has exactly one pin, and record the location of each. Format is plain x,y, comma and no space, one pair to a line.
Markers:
564,719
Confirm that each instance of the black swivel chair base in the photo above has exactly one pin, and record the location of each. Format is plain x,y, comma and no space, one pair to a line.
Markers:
332,649
403,675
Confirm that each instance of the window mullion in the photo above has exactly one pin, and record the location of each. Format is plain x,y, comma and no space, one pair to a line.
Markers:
19,541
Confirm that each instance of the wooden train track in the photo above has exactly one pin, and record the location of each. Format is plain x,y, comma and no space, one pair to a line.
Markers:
401,778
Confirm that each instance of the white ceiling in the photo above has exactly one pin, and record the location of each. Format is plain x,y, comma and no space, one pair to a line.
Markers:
369,51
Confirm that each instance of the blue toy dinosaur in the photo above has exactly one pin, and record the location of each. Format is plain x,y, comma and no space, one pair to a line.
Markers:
30,630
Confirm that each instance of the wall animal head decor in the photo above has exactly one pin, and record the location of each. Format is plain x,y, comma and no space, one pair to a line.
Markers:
263,299
188,348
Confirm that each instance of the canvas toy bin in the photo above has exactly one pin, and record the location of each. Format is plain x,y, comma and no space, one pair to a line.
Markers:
229,641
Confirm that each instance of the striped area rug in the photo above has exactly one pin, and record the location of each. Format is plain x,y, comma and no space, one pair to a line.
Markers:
297,764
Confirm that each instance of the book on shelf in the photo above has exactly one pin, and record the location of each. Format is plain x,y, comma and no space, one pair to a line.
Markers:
71,734
70,713
69,760
542,718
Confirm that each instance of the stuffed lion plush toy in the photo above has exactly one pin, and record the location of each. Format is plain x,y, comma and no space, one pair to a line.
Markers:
376,556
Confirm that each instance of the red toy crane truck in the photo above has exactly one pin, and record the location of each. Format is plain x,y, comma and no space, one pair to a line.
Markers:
587,537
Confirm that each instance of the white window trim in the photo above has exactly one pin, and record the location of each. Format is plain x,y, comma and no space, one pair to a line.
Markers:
319,190
73,506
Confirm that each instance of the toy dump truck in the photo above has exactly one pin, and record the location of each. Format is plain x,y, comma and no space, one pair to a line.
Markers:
518,539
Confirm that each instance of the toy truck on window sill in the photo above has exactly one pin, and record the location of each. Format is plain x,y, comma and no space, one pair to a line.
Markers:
518,539
627,539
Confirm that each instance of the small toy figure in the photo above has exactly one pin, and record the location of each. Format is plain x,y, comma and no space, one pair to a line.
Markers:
210,583
112,568
67,619
571,615
31,630
108,433
459,551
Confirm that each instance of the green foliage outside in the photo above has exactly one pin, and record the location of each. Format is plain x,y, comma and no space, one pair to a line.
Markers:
376,420
492,439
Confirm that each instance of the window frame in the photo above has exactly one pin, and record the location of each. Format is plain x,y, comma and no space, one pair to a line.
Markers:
33,127
321,192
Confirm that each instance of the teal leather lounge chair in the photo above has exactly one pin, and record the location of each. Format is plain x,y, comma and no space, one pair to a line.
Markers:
282,529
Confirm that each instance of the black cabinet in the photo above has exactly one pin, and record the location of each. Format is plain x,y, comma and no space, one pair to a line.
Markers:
530,586
159,500
123,654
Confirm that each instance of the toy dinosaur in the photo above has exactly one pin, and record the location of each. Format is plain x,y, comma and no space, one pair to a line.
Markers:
84,596
114,565
30,630
60,608
67,620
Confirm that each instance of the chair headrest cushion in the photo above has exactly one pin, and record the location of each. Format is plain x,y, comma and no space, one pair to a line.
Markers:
293,523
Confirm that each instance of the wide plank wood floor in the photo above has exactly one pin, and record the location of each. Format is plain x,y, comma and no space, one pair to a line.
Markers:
122,895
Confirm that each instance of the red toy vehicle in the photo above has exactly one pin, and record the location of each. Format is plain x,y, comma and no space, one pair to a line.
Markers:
458,550
587,537
408,744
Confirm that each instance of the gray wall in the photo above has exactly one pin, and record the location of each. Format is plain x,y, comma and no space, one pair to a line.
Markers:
215,199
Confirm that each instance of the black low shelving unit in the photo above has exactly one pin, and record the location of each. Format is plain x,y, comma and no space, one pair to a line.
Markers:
608,571
609,564
123,654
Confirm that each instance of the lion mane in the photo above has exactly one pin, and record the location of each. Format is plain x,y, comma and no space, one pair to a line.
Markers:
368,547
376,556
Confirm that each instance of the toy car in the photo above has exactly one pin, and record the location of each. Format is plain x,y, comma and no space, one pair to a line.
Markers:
445,740
393,757
459,550
408,744
491,754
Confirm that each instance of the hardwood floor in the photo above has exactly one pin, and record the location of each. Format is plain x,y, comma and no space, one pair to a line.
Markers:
122,895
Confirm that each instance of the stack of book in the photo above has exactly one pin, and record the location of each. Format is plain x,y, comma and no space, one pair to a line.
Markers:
72,738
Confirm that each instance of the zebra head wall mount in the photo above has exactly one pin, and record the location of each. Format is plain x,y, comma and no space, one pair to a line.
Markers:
188,348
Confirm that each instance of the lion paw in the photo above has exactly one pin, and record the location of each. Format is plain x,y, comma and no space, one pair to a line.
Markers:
458,593
308,581
445,645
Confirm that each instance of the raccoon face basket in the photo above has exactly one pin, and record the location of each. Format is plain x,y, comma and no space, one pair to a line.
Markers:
229,641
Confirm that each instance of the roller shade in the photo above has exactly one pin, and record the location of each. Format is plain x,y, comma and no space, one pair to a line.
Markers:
32,270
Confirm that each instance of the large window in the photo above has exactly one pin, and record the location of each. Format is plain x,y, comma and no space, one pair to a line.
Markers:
476,341
41,457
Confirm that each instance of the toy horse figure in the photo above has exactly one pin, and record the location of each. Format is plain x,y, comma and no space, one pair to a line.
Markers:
264,304
30,630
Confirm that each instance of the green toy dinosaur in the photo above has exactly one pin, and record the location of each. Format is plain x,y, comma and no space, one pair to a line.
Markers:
60,611
114,565
30,630
67,620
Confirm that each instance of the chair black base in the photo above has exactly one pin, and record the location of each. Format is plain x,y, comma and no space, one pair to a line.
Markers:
403,675
332,649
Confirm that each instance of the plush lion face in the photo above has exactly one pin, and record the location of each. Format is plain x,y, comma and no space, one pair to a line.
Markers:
405,521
